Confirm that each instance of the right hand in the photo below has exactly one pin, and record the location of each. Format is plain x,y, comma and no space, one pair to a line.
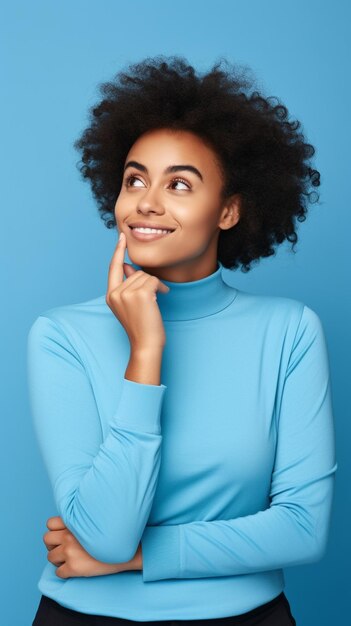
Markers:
133,301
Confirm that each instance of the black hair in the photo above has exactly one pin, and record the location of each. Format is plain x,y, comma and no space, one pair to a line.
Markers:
263,153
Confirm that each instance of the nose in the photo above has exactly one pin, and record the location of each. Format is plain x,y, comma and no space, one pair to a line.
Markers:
149,201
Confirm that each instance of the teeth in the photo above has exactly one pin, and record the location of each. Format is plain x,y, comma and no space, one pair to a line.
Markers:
150,230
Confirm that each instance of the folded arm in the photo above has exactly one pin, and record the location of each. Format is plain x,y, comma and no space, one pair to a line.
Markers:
294,529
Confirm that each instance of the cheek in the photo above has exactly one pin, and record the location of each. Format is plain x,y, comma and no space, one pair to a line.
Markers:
195,235
202,226
119,209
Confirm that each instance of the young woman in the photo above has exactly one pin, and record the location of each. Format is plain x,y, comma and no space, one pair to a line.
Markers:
186,425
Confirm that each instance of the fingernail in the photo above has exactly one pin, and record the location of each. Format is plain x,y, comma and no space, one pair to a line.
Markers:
121,235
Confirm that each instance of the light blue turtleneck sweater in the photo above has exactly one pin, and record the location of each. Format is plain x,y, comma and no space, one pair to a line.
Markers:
224,472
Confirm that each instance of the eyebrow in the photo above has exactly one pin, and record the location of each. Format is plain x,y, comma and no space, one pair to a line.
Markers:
168,170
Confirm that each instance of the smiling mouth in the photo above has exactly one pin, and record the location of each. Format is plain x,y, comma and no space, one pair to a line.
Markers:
140,236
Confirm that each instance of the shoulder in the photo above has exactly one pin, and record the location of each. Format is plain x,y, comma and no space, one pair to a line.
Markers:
281,307
71,319
279,315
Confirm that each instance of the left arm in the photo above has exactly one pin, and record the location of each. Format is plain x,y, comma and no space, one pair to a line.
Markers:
294,529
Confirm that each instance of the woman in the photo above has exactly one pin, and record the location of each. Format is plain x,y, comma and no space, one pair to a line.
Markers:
186,425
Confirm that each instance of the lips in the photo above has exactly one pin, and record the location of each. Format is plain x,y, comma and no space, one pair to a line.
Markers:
148,236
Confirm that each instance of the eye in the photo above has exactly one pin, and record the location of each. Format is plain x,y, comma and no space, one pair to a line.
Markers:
181,181
174,181
129,178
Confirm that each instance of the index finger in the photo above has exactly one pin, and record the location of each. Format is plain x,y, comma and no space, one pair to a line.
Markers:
115,273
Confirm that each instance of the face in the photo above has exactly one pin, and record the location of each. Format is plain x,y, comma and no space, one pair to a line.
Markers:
186,200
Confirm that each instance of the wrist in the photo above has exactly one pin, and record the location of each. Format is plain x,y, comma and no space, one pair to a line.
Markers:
137,561
146,351
144,365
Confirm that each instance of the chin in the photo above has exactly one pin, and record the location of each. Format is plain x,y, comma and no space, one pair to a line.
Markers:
144,259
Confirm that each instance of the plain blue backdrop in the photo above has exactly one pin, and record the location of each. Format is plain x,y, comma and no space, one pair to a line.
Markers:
56,249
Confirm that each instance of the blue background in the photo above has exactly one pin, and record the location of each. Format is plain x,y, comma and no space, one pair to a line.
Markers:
56,249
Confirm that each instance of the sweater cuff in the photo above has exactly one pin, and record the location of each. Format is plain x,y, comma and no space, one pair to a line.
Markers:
160,547
140,406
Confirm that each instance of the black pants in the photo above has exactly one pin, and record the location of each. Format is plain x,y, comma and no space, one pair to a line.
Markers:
276,612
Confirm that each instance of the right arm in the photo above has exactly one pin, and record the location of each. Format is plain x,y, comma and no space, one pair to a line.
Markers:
103,489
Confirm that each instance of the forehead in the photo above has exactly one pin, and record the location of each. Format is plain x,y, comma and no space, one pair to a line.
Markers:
168,144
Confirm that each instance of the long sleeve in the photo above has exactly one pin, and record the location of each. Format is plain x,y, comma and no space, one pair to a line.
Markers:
294,529
103,488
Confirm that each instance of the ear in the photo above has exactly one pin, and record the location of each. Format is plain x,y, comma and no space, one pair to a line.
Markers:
230,214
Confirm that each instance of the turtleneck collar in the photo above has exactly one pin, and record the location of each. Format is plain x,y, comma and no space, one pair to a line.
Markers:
195,299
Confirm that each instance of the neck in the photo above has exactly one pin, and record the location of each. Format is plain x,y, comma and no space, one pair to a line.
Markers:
197,298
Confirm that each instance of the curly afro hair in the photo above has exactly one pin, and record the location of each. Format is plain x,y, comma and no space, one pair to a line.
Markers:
262,155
